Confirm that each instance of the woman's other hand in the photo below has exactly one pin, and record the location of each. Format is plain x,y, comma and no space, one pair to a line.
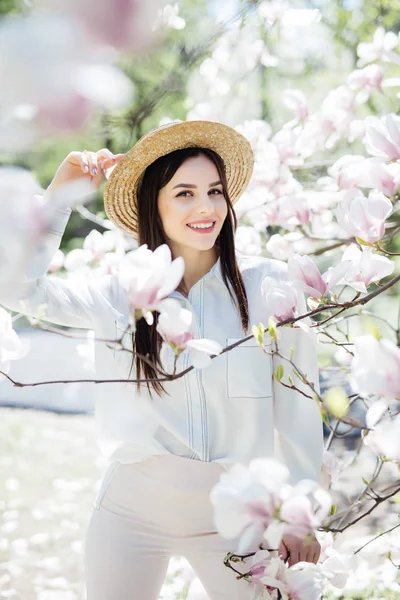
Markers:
299,550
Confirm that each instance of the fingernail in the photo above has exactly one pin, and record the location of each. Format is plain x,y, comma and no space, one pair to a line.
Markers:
101,164
94,170
86,169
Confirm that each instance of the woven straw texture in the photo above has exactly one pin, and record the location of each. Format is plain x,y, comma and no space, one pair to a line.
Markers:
121,188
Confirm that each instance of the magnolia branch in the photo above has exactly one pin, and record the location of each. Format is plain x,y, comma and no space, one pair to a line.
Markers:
166,377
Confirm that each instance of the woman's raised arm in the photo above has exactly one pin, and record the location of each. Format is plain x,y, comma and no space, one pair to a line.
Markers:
52,298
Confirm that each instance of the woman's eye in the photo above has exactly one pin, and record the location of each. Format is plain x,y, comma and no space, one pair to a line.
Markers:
181,193
218,191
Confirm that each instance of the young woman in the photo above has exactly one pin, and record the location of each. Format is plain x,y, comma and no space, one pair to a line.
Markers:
168,443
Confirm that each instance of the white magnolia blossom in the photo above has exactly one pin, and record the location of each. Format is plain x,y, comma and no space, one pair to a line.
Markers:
281,299
384,439
381,47
168,16
382,136
296,101
248,240
380,358
364,217
366,267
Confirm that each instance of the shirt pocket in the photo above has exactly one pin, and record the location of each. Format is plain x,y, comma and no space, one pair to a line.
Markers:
107,479
249,370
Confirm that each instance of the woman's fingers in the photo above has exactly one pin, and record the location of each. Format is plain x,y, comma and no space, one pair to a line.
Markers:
96,163
84,162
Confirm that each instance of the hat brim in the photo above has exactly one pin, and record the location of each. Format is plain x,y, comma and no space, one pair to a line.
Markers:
120,193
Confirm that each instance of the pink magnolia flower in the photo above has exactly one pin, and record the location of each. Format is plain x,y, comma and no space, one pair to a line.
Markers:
364,217
274,577
307,277
366,267
10,344
280,298
175,325
382,136
124,24
376,367
304,508
246,498
148,278
384,177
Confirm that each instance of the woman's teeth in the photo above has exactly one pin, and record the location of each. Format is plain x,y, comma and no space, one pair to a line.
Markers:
201,226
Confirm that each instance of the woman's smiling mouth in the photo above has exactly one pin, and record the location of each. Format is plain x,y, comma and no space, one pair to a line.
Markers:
202,226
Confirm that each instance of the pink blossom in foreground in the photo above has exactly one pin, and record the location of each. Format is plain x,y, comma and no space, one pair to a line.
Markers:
175,325
382,136
281,299
246,498
148,278
305,508
366,267
63,86
376,367
10,344
307,277
255,502
124,24
364,217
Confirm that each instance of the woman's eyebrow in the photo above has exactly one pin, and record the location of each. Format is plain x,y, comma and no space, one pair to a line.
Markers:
190,185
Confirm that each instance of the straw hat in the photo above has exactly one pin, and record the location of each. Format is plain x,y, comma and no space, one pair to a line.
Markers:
120,194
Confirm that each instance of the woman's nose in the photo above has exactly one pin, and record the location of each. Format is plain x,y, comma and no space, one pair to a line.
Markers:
206,205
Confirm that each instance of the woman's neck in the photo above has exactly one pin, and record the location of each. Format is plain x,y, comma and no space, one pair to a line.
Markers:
197,264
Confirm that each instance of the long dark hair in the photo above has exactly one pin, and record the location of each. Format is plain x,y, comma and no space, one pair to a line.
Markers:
147,340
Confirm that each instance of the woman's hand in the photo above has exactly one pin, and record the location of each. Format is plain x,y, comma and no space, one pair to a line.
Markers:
299,550
84,164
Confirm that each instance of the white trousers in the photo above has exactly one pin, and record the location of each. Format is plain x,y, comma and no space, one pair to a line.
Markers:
147,512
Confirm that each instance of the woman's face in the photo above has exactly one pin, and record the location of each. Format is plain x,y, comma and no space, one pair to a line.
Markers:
192,205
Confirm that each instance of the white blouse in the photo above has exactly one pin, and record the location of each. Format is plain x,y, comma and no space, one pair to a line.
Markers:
233,410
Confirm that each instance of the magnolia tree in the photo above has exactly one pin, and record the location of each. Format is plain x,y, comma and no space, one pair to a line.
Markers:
351,216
